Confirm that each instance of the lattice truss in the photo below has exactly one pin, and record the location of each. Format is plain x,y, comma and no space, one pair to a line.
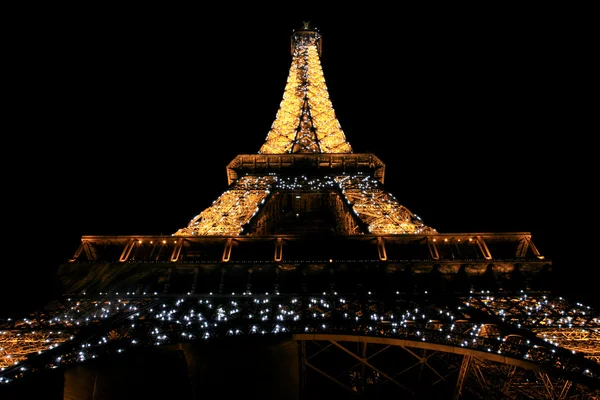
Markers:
364,367
305,121
379,209
233,209
572,326
481,326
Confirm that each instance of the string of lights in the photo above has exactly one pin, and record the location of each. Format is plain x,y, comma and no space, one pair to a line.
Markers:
377,208
121,322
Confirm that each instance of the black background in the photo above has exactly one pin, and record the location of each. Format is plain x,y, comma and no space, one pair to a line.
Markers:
123,121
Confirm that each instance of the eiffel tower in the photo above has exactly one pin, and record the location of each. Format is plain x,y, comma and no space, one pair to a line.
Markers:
305,279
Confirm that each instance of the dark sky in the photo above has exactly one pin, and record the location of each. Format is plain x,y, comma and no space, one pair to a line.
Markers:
128,120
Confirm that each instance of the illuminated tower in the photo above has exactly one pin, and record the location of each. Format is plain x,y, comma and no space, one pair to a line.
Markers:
306,278
304,170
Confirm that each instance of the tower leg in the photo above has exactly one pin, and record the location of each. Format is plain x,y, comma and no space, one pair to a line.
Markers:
462,375
302,374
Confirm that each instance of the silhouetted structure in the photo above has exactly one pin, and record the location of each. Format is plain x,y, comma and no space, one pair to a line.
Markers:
305,279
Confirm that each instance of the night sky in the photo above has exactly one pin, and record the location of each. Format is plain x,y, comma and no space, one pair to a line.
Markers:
127,122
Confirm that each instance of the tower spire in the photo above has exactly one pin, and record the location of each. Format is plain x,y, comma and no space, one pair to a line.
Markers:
306,121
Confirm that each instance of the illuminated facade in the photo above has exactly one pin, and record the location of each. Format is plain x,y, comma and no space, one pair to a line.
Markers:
306,246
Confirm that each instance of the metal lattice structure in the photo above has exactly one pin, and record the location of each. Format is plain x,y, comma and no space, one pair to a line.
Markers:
462,346
306,246
306,141
376,208
306,121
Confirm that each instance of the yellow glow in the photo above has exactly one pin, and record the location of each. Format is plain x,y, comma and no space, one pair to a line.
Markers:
379,209
306,121
232,210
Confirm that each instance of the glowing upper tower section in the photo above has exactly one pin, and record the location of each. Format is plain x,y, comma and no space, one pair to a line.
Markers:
306,121
305,153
